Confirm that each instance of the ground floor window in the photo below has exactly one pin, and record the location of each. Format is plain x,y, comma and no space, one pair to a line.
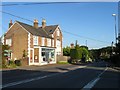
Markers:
47,54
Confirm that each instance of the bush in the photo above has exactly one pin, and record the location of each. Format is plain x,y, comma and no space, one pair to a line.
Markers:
18,62
75,54
4,66
115,60
11,62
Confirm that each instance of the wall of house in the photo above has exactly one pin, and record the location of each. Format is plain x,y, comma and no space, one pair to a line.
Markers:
40,41
19,40
58,38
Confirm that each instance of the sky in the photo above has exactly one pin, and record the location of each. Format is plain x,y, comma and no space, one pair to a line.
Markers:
90,23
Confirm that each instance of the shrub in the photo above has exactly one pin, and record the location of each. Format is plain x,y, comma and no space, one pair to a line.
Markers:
4,66
11,62
75,54
18,62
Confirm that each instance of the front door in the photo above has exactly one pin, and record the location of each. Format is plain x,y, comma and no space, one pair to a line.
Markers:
36,55
31,56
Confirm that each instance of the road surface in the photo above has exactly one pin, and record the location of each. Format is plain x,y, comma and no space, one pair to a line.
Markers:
91,76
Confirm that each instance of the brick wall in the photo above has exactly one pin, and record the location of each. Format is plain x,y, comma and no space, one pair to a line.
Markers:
62,58
19,40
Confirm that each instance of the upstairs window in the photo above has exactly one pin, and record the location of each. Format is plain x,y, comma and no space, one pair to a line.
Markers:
35,40
43,41
58,44
58,33
52,43
49,42
9,42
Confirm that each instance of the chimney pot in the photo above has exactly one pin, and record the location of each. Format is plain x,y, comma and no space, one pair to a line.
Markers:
36,23
72,45
43,23
10,24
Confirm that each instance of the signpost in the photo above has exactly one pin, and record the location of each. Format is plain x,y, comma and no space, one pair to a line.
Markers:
7,53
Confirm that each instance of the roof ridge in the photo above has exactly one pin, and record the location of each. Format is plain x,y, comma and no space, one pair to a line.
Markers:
24,23
45,32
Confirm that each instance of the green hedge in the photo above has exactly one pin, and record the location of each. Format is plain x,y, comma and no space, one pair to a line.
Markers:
75,54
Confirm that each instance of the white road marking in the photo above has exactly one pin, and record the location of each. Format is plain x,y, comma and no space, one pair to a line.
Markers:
21,82
37,78
93,82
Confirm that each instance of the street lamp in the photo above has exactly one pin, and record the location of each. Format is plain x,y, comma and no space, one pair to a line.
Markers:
114,15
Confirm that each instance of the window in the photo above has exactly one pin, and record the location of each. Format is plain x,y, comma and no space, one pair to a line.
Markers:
35,40
9,42
49,42
52,43
58,43
43,41
50,31
52,36
48,55
58,33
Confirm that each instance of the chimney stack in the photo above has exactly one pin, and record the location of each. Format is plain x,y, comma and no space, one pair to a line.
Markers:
36,23
10,24
43,23
71,45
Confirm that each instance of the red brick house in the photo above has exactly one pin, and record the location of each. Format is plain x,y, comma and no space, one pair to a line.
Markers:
40,44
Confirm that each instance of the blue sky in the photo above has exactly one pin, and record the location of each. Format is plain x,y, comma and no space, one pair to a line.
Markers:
92,20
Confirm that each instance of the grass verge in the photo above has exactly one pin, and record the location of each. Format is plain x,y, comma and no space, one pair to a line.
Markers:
62,62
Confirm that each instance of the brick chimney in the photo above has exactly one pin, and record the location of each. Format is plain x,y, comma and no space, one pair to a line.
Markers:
43,23
36,23
71,45
10,24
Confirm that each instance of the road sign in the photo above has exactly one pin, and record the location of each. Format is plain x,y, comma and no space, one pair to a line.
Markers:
5,54
7,50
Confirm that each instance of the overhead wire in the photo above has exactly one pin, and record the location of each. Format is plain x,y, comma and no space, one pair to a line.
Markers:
85,37
63,30
38,3
20,18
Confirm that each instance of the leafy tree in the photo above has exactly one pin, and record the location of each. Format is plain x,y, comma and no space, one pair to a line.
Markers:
85,54
4,47
84,47
66,51
79,53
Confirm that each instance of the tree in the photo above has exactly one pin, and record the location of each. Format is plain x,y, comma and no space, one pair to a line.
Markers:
84,47
66,51
85,54
79,53
4,47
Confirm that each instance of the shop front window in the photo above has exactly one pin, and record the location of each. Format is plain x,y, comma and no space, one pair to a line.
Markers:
48,55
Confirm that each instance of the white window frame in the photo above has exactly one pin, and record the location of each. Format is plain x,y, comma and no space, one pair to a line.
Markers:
52,43
9,42
43,41
58,43
49,42
35,40
58,33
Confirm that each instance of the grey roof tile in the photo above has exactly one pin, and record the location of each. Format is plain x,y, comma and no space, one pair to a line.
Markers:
43,32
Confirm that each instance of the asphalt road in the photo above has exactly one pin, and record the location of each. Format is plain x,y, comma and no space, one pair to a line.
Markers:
96,75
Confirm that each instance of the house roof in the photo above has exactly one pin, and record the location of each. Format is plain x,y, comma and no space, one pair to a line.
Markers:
43,32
